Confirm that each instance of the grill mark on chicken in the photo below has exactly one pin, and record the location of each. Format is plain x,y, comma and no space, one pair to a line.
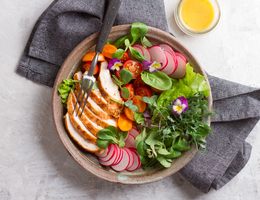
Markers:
93,101
93,107
94,118
84,126
111,108
109,89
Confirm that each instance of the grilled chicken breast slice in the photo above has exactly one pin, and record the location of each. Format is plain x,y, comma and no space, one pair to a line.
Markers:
92,103
111,109
93,107
83,124
94,118
83,142
109,89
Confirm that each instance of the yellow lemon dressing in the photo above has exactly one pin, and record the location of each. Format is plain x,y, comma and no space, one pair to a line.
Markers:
197,14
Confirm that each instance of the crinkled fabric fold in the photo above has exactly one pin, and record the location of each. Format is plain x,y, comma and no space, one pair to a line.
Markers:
66,23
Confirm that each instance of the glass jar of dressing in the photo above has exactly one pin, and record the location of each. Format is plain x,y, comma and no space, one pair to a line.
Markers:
197,17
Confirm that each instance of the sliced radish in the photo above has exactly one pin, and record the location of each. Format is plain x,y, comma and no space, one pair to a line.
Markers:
181,55
112,157
111,160
130,141
140,163
172,63
166,47
158,55
119,156
105,152
131,157
146,52
180,72
137,49
134,132
122,165
110,154
137,163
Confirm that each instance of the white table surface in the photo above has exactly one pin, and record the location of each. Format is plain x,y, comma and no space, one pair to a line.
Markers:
34,163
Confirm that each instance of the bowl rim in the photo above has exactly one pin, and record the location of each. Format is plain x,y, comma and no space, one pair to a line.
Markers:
77,154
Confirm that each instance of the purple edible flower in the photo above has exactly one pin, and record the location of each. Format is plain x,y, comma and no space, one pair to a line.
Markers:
146,115
114,64
152,66
180,105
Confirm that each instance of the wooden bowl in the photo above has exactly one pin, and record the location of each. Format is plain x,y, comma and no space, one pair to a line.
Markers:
88,160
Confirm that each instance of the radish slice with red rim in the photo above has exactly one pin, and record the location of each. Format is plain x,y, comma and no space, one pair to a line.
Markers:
158,55
110,154
137,49
172,63
140,163
166,47
134,132
119,156
137,163
146,52
180,72
130,141
181,55
131,158
111,160
104,153
122,165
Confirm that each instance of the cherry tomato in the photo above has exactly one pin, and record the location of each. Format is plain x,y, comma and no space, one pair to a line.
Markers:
130,87
137,100
133,66
124,123
156,90
138,82
117,73
129,113
86,67
143,92
125,57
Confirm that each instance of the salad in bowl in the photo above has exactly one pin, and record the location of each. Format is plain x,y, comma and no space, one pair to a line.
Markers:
148,112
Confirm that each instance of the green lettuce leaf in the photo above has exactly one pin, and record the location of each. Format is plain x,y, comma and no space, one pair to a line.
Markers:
191,84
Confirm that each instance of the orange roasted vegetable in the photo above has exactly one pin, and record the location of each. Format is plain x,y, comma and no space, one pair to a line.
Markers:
91,55
108,50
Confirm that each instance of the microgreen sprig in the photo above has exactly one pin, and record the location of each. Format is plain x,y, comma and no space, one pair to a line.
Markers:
174,133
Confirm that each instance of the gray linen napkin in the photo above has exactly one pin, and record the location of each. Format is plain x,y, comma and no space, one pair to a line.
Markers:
66,23
238,110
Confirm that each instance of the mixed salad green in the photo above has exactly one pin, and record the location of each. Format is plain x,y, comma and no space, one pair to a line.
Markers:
165,134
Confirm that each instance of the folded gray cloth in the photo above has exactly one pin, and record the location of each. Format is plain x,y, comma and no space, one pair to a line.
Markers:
238,110
67,22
